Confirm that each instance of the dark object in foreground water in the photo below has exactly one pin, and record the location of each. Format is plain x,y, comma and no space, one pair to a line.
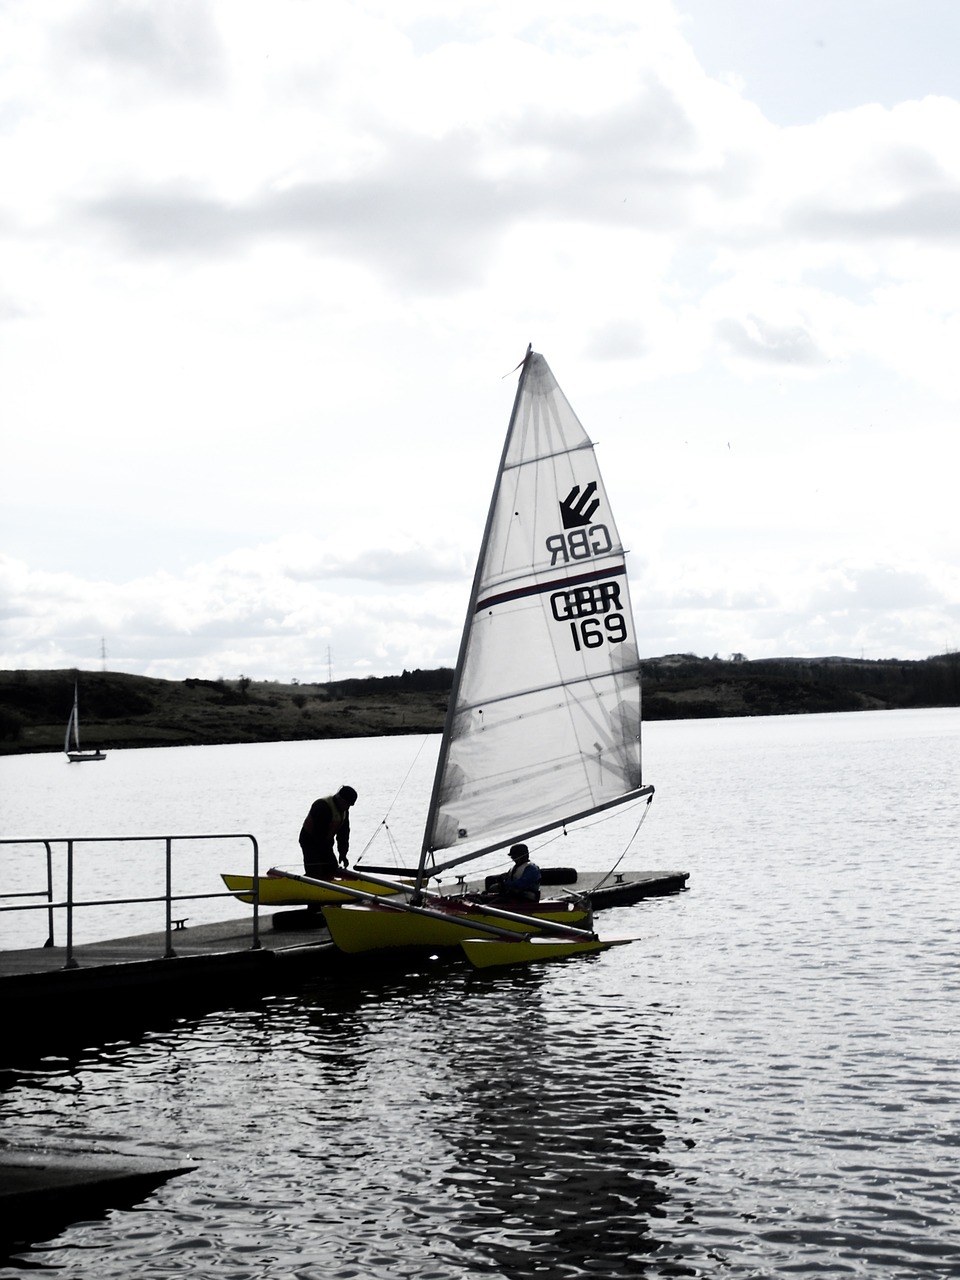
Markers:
42,1191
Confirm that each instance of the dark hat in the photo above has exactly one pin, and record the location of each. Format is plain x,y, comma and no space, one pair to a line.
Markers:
519,851
350,794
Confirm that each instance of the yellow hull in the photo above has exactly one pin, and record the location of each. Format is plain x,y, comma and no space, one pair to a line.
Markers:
278,891
359,927
485,953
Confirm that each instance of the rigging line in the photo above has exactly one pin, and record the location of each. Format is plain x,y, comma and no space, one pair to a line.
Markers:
383,821
601,819
376,832
393,844
382,827
626,848
423,742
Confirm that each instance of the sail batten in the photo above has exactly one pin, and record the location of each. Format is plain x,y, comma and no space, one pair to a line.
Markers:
549,619
545,457
569,685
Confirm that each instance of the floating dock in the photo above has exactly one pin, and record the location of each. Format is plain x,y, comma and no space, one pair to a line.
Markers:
228,958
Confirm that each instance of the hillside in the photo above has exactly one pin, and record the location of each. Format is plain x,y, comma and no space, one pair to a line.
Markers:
119,710
683,686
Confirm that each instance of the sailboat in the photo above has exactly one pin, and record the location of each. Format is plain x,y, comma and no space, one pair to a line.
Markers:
543,722
71,740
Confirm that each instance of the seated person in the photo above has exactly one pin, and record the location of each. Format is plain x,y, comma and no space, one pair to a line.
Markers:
522,881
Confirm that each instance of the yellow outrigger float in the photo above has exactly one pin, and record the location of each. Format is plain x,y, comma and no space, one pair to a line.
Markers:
486,953
543,720
280,890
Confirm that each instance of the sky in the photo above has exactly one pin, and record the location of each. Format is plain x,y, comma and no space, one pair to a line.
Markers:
267,271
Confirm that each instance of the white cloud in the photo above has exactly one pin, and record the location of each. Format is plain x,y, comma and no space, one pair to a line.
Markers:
175,45
284,605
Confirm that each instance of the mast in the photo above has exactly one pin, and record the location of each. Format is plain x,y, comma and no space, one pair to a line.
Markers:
464,635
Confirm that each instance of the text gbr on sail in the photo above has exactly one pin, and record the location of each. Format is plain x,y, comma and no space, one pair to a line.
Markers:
594,611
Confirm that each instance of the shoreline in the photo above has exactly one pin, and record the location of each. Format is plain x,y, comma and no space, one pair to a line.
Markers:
118,710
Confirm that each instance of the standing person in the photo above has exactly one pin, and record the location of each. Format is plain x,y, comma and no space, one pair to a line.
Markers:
523,878
327,823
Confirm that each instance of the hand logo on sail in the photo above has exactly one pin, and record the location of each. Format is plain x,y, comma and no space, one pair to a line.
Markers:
577,509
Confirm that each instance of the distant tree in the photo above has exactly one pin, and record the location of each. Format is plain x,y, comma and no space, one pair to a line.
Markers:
243,684
11,725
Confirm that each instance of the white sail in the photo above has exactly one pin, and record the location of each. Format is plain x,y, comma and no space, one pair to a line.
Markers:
544,717
71,741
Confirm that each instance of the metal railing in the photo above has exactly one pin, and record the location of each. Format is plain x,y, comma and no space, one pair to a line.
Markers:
69,905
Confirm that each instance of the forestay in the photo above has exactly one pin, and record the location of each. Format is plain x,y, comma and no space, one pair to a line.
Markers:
544,718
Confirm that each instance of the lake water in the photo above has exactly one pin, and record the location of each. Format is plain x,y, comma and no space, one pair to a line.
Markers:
765,1085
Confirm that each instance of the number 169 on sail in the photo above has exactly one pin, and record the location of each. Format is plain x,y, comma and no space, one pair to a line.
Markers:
590,633
583,606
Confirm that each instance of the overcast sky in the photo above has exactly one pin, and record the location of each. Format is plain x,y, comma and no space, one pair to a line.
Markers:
266,268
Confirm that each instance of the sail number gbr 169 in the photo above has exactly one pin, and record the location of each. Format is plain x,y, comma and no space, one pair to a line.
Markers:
593,612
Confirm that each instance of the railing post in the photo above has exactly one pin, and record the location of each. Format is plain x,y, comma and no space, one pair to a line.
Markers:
169,954
49,942
256,895
70,962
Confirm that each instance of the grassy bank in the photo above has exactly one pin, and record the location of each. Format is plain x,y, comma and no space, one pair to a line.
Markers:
118,710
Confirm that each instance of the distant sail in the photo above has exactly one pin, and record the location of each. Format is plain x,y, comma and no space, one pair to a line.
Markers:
71,741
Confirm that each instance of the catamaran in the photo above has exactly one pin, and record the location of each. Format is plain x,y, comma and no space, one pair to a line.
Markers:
543,722
71,740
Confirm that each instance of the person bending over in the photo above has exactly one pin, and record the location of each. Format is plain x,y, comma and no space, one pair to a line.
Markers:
325,826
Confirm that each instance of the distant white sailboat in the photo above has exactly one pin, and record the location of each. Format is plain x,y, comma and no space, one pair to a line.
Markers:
71,741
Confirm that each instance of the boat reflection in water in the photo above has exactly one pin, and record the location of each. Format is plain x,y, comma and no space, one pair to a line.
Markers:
562,1157
521,1143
